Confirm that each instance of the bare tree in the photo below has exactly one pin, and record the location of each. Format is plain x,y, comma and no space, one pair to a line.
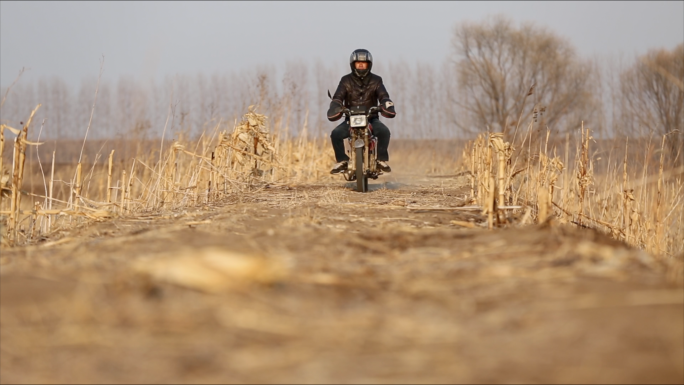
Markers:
653,97
502,67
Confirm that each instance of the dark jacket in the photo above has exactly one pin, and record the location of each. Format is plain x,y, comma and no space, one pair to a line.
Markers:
353,91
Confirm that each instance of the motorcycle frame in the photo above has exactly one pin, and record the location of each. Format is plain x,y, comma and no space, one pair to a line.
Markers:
370,155
365,135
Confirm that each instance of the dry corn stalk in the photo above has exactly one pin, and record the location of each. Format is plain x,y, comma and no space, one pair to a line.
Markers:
487,164
4,180
478,158
34,220
77,187
52,182
584,176
20,144
2,149
491,204
250,137
504,152
472,174
551,169
109,178
543,203
657,216
627,200
122,189
129,189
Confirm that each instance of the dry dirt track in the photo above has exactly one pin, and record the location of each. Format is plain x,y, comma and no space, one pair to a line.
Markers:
348,288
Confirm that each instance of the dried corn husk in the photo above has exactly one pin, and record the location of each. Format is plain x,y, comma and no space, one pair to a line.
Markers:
212,269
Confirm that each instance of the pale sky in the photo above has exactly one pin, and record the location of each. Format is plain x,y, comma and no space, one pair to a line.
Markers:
155,39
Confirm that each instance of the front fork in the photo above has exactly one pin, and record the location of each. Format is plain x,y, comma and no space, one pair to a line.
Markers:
371,156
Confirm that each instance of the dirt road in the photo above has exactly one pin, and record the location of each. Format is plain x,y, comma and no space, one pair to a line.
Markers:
317,283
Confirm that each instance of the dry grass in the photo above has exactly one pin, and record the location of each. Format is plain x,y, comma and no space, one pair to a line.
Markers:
186,173
635,206
646,214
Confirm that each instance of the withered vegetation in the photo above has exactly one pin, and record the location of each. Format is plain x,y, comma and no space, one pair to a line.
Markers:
222,250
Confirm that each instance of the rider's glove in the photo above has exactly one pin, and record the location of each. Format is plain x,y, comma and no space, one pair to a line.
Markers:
335,111
387,108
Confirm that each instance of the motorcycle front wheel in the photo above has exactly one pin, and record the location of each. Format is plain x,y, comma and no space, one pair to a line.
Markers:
361,178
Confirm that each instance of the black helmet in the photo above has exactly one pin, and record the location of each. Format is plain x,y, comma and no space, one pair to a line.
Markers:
361,55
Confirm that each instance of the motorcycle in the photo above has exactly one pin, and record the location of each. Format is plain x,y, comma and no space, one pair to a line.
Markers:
363,144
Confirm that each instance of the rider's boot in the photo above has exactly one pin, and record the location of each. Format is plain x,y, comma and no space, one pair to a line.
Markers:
339,167
383,166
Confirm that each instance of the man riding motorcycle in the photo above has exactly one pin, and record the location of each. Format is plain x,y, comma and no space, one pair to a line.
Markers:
360,88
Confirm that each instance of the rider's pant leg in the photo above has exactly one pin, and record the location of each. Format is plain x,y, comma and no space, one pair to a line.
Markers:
337,136
383,134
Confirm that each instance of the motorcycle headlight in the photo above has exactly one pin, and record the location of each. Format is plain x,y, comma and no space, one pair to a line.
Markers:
358,121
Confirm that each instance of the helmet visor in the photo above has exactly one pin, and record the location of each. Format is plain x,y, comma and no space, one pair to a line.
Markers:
361,55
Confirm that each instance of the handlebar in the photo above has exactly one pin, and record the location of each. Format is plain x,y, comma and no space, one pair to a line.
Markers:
371,110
